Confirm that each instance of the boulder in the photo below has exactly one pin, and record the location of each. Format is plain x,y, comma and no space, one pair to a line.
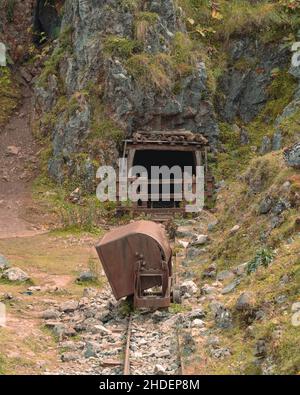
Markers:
213,341
163,354
185,232
230,287
277,140
70,356
245,301
223,317
50,314
200,240
69,306
225,275
292,156
87,276
266,145
15,274
220,353
295,307
296,319
92,348
210,272
260,349
265,205
75,196
280,206
196,314
159,370
12,150
234,230
58,329
188,287
208,290
193,252
197,323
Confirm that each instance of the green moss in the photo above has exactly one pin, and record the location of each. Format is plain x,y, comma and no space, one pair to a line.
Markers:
9,94
178,308
235,158
121,47
281,92
103,127
245,64
131,5
150,17
290,127
64,47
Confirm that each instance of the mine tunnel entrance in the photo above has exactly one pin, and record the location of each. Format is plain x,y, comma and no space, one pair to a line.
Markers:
180,148
150,158
47,20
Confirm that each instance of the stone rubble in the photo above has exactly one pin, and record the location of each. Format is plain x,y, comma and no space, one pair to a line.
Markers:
101,327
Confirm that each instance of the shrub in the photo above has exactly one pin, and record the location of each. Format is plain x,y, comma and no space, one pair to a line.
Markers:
263,258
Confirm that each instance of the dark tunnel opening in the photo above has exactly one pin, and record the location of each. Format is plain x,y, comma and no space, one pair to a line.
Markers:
149,158
47,20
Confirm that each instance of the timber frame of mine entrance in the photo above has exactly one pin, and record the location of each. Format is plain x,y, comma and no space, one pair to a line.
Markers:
174,144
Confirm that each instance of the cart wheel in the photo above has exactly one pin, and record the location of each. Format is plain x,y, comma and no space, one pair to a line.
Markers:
177,295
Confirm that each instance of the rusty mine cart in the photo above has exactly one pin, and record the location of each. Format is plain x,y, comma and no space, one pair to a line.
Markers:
137,260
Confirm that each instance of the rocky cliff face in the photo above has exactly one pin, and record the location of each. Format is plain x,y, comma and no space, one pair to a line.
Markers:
243,89
124,65
130,58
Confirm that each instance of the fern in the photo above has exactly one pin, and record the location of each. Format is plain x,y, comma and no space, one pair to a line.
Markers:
263,258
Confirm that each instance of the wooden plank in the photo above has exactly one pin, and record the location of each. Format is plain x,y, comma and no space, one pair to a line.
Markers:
110,362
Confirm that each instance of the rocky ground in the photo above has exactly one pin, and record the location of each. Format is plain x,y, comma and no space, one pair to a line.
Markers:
99,326
224,69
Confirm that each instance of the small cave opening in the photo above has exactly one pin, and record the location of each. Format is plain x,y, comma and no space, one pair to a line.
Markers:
149,158
47,20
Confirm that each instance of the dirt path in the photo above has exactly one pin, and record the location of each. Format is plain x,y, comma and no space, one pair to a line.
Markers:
18,167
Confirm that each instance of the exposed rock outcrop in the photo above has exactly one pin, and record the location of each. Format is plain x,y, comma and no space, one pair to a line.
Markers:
292,156
111,43
244,86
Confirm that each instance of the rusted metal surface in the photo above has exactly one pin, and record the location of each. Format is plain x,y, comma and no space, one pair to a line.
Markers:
127,349
137,257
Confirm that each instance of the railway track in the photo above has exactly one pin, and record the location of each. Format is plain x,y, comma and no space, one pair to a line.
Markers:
165,361
143,343
149,349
